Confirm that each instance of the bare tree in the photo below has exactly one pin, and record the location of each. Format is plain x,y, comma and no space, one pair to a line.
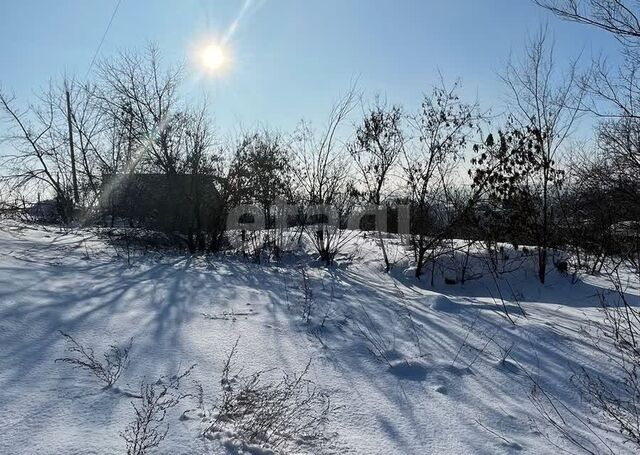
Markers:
87,126
618,88
203,164
444,127
547,103
324,178
141,98
604,197
612,172
620,17
376,151
619,140
322,169
40,154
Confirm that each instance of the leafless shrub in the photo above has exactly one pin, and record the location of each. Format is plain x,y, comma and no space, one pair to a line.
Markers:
133,243
479,352
275,415
618,398
559,424
149,429
116,359
413,327
613,398
324,180
462,259
501,300
199,395
378,345
329,240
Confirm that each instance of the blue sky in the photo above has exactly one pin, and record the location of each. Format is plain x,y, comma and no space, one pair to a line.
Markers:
291,59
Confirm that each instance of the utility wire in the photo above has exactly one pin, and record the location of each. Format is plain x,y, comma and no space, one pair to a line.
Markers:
104,35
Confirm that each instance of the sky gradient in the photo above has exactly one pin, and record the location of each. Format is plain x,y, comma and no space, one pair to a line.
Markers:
291,59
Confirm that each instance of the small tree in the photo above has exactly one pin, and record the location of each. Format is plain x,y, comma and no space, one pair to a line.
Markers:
376,151
444,127
545,106
322,171
324,179
260,171
377,148
506,171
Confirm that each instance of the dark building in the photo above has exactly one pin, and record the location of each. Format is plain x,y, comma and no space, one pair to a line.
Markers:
185,204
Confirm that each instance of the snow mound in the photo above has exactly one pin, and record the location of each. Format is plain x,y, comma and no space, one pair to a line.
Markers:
445,305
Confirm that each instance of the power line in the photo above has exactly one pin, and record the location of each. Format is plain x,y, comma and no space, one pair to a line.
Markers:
104,35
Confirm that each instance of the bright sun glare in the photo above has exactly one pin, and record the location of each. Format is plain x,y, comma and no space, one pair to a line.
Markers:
213,58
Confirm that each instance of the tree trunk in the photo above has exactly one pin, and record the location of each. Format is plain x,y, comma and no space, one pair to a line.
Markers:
387,264
74,176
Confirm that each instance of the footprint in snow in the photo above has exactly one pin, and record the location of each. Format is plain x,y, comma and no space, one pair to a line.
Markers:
442,390
410,370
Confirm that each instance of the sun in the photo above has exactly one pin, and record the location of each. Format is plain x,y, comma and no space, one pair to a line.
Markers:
213,58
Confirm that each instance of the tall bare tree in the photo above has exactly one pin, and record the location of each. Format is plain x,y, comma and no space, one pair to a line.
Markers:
39,140
547,102
141,98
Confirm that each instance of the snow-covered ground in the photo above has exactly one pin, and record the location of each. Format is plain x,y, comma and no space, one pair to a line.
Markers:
447,392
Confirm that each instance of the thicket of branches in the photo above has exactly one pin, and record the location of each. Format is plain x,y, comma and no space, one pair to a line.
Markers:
520,178
597,209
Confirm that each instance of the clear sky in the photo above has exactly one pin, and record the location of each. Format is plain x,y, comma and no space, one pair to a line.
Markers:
291,58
